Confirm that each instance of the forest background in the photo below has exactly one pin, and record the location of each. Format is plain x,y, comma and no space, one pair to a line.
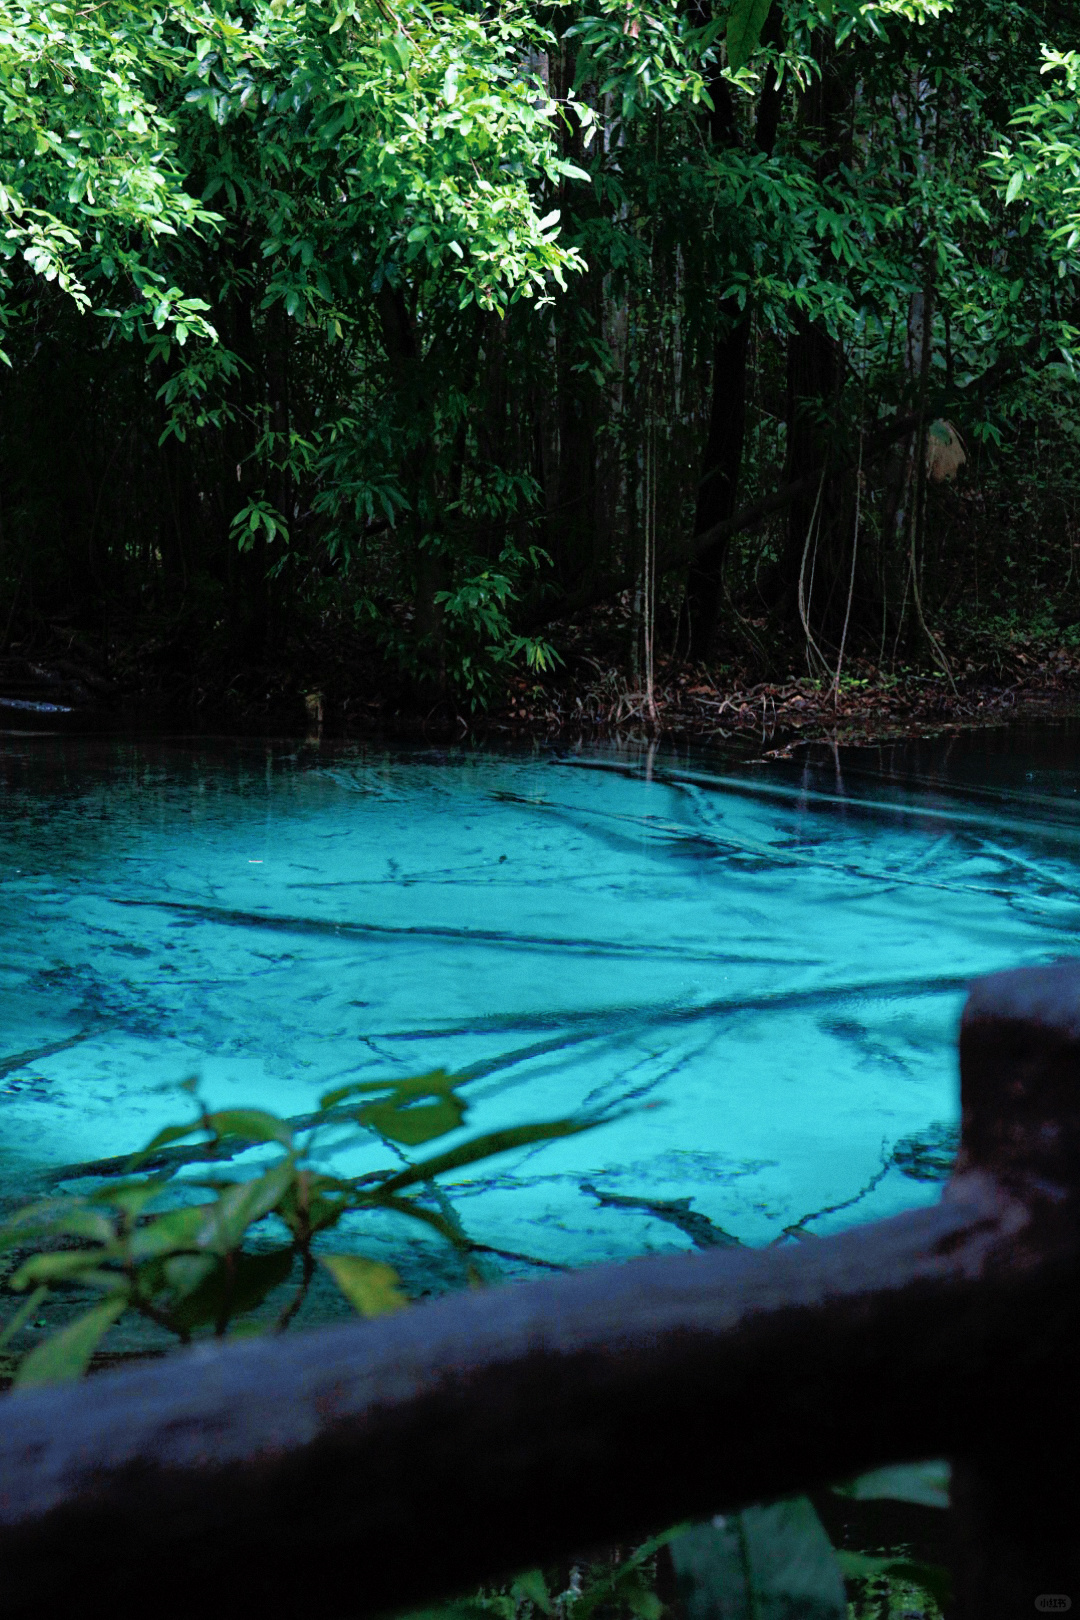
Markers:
446,351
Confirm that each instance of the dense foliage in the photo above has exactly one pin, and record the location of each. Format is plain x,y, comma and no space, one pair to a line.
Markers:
426,326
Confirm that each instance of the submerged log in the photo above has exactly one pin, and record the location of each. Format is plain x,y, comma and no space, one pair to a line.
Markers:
388,1464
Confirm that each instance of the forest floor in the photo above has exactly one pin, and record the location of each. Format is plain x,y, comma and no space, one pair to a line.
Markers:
994,678
866,706
58,679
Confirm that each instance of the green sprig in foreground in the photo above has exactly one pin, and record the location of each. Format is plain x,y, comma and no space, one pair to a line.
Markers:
138,1245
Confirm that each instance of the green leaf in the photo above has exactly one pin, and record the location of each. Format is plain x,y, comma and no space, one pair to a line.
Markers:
481,1147
183,1273
533,1587
56,1218
252,1125
371,1288
745,22
766,1563
176,1229
231,1288
241,1205
55,1268
926,1483
65,1356
130,1197
932,1578
1012,190
404,1116
22,1315
171,1133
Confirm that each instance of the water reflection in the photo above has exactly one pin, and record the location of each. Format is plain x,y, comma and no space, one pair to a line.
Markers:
760,965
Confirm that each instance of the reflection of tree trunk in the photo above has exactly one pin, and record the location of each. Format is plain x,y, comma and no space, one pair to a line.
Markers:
719,486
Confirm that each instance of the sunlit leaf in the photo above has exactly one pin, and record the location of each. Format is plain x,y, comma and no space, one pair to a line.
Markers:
171,1133
371,1288
65,1356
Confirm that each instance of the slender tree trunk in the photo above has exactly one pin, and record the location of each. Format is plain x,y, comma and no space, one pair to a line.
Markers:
814,568
719,487
430,571
571,529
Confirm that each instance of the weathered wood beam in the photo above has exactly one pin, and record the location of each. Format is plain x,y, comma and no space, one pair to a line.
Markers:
384,1465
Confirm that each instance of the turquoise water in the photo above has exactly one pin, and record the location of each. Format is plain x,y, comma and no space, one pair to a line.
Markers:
760,964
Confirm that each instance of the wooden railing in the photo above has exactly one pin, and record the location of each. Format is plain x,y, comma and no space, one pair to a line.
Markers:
360,1469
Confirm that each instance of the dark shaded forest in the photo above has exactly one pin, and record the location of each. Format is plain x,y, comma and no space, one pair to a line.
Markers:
416,356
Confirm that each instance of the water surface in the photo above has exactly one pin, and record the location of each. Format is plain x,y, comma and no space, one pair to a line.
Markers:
759,966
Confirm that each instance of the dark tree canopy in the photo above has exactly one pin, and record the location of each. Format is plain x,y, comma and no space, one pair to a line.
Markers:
439,323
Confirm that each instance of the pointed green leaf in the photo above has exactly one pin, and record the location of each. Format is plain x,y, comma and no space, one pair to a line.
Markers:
406,1115
183,1273
176,1229
926,1483
65,1356
229,1289
252,1125
932,1578
371,1288
55,1268
745,23
56,1218
762,1564
1012,191
533,1586
131,1197
241,1205
22,1315
171,1133
481,1147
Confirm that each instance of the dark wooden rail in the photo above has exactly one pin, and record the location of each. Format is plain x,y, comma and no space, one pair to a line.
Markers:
382,1465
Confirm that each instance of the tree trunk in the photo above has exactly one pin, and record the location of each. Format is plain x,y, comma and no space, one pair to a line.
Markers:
815,569
719,486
